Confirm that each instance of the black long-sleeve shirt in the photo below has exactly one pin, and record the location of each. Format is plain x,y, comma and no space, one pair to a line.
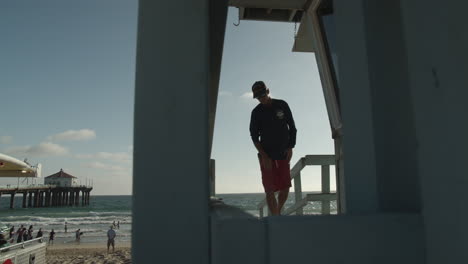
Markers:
273,126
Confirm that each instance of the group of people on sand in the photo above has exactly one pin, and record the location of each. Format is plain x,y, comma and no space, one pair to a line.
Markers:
110,235
20,235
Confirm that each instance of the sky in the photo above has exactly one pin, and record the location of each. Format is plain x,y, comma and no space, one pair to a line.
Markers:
67,72
67,83
255,51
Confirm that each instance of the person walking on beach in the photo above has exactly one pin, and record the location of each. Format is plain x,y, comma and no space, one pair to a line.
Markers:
12,232
39,233
19,234
78,234
66,227
30,232
51,237
111,238
118,224
273,133
25,234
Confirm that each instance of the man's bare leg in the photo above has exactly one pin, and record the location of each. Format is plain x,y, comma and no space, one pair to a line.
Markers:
282,197
272,204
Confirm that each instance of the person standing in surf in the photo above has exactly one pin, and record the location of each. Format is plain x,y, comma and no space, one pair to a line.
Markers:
273,133
78,234
51,237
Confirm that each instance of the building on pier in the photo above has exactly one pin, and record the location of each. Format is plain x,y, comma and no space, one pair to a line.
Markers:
61,179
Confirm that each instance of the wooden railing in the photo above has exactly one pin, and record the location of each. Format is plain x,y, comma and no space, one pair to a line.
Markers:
30,251
324,196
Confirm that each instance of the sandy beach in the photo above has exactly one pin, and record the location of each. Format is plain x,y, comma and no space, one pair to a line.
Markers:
88,254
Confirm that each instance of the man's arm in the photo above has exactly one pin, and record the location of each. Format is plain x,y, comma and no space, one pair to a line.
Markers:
255,135
260,150
292,131
291,126
265,160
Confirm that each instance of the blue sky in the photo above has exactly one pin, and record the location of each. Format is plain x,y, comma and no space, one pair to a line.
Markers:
67,78
262,51
67,84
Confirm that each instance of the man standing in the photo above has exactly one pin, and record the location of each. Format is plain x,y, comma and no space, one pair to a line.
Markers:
110,238
273,133
39,233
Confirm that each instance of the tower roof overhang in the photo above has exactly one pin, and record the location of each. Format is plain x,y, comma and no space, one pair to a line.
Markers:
271,10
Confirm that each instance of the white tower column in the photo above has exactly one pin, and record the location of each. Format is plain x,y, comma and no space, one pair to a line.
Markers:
170,181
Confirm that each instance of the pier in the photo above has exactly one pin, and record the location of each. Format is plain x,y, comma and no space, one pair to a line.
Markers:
48,195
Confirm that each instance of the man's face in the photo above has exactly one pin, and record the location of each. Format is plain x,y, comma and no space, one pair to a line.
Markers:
263,93
263,99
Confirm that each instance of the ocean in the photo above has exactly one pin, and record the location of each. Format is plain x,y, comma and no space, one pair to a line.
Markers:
94,220
249,203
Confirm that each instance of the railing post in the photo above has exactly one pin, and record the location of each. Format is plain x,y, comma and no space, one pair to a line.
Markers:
212,177
298,192
267,207
326,188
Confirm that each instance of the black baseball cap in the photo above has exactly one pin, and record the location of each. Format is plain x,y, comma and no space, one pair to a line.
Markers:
259,89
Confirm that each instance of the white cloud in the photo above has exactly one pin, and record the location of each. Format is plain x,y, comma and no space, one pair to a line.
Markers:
112,168
225,94
247,95
74,135
115,157
96,165
6,139
41,150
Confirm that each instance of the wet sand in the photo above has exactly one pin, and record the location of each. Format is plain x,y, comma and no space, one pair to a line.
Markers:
88,254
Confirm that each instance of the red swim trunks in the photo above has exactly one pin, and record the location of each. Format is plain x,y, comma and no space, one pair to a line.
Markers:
278,177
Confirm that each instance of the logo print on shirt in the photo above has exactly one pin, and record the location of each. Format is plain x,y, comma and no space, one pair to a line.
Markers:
280,114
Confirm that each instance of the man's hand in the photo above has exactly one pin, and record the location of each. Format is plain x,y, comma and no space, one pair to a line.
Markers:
289,154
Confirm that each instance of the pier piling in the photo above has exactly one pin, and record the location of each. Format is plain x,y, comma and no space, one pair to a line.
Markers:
25,196
12,200
48,196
